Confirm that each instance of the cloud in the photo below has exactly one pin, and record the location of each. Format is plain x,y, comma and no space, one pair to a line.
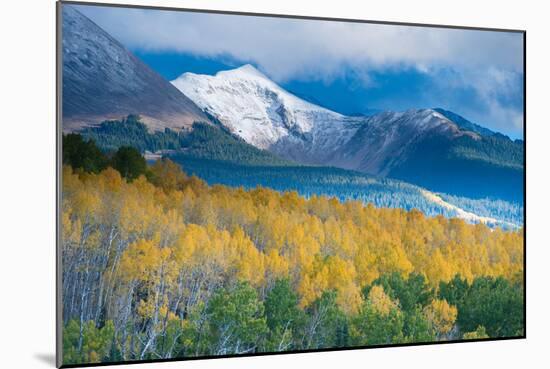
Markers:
289,49
498,94
286,48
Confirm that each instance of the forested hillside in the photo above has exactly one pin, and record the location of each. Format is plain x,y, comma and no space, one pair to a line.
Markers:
312,181
345,185
488,167
202,141
215,155
161,265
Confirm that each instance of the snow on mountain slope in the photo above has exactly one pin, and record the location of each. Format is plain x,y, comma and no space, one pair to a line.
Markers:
466,215
385,140
426,147
267,116
464,123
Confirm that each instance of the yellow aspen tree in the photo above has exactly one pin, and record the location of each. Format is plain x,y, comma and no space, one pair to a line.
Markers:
380,301
441,316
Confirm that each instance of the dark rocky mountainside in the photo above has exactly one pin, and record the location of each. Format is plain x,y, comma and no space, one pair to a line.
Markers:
103,80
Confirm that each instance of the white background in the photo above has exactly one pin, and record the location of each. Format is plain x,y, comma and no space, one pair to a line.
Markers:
27,182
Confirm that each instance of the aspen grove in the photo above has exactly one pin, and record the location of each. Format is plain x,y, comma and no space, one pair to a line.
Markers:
163,265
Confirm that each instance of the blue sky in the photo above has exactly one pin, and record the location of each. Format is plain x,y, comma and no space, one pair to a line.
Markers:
352,68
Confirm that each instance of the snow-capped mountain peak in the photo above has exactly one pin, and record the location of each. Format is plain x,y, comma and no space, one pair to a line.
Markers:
260,111
267,116
245,71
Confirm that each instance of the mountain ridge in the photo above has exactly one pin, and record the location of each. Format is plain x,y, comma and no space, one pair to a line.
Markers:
265,113
391,144
102,80
465,123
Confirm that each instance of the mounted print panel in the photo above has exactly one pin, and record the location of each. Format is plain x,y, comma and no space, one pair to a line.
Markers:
238,184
